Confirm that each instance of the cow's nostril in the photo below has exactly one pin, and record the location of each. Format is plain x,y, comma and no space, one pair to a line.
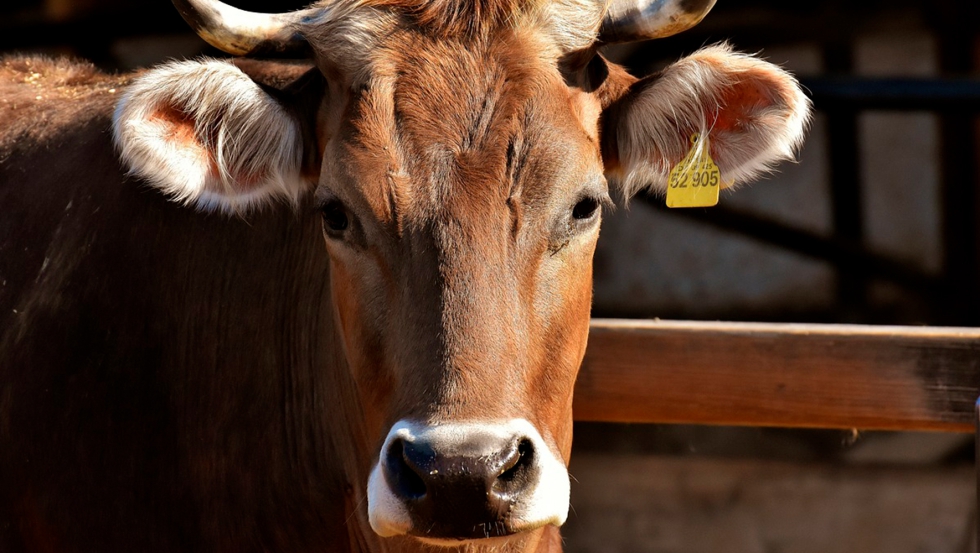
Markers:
402,472
521,458
516,470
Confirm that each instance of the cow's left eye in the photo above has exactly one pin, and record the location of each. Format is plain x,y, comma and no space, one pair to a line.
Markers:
583,216
586,208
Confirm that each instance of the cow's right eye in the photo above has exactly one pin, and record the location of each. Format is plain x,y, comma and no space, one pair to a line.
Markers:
335,218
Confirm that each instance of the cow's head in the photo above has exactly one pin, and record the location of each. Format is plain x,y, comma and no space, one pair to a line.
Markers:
460,153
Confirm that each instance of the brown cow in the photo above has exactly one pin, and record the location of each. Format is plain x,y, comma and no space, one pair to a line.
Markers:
171,381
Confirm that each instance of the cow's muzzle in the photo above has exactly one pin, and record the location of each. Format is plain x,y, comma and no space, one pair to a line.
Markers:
466,481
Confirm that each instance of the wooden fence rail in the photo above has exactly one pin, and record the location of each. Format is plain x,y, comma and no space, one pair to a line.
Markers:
790,375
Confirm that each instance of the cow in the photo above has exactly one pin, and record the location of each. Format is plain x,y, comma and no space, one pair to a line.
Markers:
384,362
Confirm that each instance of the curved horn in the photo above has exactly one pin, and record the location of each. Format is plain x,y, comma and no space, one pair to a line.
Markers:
632,20
240,32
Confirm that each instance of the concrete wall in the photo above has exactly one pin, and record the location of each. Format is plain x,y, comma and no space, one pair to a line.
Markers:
650,504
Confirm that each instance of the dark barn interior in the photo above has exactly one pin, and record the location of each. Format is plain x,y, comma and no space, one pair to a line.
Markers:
876,224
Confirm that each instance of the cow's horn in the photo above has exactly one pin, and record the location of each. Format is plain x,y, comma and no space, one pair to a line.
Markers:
631,20
240,32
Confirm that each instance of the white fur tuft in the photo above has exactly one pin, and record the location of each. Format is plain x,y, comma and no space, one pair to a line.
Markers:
653,132
232,147
573,24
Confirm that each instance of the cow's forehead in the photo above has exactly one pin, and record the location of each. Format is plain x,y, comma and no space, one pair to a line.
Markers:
350,29
440,126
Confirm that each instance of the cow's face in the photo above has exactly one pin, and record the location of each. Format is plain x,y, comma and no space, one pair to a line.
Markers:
459,161
461,195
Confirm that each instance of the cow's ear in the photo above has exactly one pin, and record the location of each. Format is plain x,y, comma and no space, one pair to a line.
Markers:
206,134
754,113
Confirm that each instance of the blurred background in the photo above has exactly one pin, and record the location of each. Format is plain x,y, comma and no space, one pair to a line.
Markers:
876,224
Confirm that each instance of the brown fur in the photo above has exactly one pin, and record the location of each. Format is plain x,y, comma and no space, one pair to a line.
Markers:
39,95
466,20
466,299
152,397
459,18
226,385
246,448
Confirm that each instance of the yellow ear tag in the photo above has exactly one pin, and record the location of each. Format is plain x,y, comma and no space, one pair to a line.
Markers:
694,182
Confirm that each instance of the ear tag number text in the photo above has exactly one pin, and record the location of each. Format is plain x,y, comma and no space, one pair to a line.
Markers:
696,180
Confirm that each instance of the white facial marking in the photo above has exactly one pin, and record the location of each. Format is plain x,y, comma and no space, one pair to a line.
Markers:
546,503
387,515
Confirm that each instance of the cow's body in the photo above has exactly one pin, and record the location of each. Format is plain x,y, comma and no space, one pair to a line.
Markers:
126,423
177,382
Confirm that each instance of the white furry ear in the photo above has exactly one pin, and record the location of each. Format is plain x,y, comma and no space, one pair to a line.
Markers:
754,113
205,134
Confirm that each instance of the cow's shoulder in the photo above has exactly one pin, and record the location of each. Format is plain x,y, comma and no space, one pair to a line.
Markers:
40,96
